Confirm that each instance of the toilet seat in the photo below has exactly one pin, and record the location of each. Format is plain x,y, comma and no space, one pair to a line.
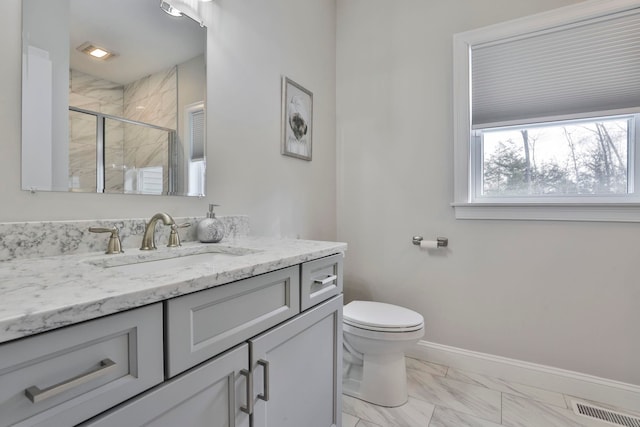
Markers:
381,317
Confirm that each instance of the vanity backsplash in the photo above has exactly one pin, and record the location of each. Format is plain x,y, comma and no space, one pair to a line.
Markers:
52,238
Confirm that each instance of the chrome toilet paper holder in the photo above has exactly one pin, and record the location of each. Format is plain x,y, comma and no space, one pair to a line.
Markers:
443,242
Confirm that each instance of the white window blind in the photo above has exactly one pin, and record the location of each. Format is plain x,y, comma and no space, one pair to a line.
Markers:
589,66
196,132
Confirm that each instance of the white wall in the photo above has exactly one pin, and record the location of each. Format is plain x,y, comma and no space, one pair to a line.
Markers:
43,30
254,43
557,293
250,43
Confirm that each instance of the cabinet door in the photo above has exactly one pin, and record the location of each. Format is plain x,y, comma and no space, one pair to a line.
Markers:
207,396
296,370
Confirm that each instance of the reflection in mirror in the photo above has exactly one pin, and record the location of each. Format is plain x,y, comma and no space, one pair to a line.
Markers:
128,121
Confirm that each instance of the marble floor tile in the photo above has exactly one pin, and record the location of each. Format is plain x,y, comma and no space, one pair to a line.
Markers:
521,390
414,413
463,397
444,417
520,412
428,367
349,420
363,423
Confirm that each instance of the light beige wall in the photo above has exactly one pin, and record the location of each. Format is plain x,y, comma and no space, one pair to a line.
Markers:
250,43
557,293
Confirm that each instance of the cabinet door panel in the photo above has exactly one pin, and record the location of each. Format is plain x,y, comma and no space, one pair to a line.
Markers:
207,396
304,356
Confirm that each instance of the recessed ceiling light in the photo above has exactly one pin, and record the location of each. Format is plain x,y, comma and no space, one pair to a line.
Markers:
94,51
169,9
98,53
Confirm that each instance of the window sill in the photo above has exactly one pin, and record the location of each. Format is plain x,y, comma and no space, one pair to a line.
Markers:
610,212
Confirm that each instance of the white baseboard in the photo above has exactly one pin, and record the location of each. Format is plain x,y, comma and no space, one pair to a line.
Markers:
576,384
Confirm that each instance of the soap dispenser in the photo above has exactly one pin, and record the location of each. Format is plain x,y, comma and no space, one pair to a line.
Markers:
210,229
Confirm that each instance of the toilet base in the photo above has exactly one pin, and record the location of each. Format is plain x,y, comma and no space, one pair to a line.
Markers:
380,379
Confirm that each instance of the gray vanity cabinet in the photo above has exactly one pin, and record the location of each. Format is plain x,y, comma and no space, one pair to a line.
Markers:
209,395
295,373
264,351
297,370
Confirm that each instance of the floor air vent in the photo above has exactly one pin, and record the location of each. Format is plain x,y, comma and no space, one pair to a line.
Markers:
607,415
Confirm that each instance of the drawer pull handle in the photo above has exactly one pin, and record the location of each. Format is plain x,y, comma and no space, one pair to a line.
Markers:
265,372
326,280
36,395
249,408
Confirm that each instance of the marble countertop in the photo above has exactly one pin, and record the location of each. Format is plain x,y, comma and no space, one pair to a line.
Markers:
42,294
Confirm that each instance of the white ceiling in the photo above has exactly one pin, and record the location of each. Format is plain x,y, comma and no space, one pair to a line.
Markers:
144,38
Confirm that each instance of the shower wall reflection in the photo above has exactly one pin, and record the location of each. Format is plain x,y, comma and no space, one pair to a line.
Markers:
122,137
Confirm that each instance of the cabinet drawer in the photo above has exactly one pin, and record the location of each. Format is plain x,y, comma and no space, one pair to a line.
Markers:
209,395
206,323
63,377
320,280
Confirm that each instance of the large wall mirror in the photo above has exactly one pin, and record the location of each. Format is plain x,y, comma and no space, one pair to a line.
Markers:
126,118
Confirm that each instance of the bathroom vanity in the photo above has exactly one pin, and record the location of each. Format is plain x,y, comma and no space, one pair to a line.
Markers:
246,333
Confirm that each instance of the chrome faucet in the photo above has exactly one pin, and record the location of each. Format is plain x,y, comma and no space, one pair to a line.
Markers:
149,238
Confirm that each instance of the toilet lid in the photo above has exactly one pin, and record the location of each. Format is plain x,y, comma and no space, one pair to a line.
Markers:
379,316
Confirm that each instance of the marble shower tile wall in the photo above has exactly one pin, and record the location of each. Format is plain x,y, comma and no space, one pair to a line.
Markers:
114,157
87,90
102,96
146,148
82,152
152,99
41,239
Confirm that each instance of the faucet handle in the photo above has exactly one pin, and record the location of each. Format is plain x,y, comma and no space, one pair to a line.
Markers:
114,246
174,237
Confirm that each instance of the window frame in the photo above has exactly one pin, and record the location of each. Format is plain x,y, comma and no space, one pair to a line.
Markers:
466,159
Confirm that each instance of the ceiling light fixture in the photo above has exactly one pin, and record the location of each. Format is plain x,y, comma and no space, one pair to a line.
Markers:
98,53
167,8
95,52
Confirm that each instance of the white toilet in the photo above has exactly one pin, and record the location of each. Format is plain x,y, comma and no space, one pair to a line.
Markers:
376,336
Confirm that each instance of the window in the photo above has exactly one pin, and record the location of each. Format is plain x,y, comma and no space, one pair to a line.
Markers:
547,112
195,137
562,159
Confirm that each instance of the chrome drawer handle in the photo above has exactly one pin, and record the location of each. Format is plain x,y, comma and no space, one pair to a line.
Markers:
36,395
249,408
265,387
326,280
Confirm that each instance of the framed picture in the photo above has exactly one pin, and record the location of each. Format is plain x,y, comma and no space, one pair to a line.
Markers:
297,120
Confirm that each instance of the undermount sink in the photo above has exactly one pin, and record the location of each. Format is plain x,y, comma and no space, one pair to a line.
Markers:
141,262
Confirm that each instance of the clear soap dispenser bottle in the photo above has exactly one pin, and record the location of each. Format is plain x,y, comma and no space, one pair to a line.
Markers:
210,229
